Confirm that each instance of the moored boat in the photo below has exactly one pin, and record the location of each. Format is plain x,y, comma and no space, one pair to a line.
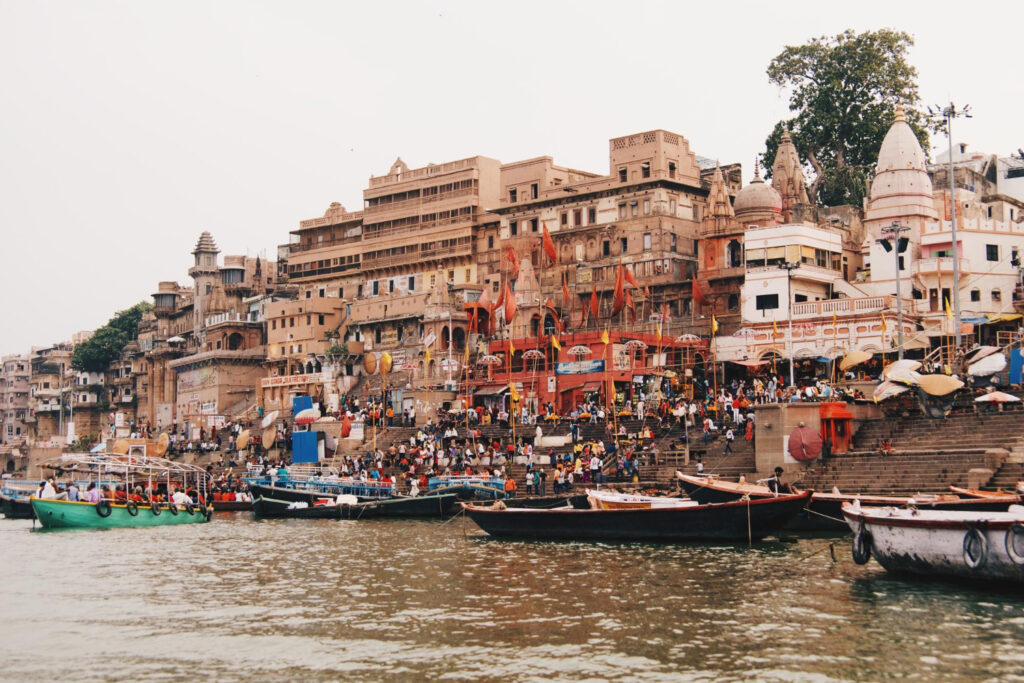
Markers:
468,487
14,500
272,508
613,500
231,505
824,510
348,507
960,544
981,493
63,514
746,520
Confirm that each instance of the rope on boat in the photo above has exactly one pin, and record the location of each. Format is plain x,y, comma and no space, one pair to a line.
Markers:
831,548
822,514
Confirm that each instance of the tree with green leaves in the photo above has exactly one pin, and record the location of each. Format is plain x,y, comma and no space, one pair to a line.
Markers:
844,91
105,345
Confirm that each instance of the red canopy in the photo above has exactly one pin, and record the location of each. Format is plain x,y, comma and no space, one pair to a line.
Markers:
804,444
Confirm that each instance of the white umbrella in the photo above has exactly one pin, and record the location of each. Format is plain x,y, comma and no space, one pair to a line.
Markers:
634,344
269,418
979,352
488,360
687,338
175,339
533,354
939,385
888,390
989,365
579,350
997,397
853,359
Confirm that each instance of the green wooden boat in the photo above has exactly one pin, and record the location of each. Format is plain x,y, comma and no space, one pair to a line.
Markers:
62,514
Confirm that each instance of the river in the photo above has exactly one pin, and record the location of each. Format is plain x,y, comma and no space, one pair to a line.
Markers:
409,600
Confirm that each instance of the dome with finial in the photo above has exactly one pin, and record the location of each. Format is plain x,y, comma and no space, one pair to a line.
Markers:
901,182
757,197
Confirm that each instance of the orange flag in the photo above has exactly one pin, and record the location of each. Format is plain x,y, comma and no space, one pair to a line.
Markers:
549,246
632,280
501,297
593,303
513,263
629,305
565,290
510,305
620,299
698,296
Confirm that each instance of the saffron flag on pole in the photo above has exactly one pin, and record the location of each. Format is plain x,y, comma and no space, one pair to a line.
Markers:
884,326
630,306
949,310
427,354
511,348
604,337
565,289
555,343
698,296
510,305
714,324
835,321
620,291
632,280
593,302
775,329
513,263
548,244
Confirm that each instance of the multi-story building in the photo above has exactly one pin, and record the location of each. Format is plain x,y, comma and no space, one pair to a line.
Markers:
15,372
47,382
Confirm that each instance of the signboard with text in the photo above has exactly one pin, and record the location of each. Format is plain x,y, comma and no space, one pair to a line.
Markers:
579,367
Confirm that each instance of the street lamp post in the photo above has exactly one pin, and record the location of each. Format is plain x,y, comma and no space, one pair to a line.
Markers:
949,113
892,232
789,268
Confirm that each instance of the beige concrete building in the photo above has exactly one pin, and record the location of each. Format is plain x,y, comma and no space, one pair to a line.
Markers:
15,406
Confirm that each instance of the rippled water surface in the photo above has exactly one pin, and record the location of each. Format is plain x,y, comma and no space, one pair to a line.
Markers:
401,600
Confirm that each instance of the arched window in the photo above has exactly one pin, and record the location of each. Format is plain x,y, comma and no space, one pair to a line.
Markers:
534,325
734,302
549,324
459,338
734,254
234,341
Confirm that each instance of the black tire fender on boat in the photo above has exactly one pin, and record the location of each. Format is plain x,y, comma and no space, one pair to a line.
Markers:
132,508
208,512
154,508
975,548
172,508
190,508
1016,531
103,508
862,545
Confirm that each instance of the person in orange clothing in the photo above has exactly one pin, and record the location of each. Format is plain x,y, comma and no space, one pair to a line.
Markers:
510,487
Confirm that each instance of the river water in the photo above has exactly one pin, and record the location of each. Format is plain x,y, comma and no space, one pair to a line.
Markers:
409,600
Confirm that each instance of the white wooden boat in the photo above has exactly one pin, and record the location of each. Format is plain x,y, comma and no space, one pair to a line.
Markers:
962,544
613,500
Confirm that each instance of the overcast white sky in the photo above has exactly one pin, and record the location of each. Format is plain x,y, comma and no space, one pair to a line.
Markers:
130,127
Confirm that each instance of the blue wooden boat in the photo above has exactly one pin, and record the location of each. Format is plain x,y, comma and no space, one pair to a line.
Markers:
468,487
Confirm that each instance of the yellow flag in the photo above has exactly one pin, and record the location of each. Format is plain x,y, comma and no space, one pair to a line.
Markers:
835,320
714,324
467,353
428,354
512,392
949,311
659,331
511,348
555,343
775,328
884,326
604,337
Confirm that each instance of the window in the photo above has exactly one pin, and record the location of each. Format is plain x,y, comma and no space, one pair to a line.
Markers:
622,175
623,244
291,322
320,319
376,335
766,302
534,190
696,212
512,195
469,275
672,242
401,332
645,169
300,348
799,298
513,228
494,286
647,241
671,169
992,252
391,286
533,225
322,293
309,294
309,319
997,296
451,276
376,287
634,209
975,295
577,217
412,283
989,211
341,292
606,248
273,324
209,289
591,215
563,219
490,241
359,291
622,210
672,207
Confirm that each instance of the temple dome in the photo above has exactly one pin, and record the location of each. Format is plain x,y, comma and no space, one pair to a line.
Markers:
757,196
901,185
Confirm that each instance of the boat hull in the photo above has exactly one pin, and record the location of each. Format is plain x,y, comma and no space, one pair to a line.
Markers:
736,521
935,543
16,508
271,508
62,514
420,507
442,505
231,506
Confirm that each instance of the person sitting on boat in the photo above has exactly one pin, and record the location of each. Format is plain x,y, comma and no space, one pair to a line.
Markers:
92,493
120,495
74,495
180,499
